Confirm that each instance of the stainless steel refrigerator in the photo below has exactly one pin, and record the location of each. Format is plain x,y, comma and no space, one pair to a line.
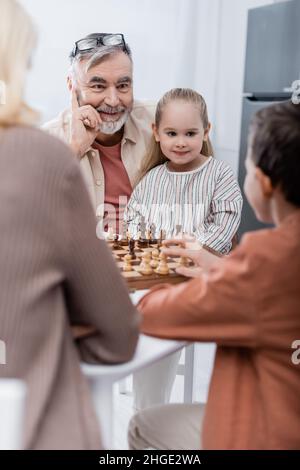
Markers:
272,65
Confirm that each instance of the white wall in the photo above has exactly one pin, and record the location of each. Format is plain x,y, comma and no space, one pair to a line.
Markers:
231,60
164,37
196,43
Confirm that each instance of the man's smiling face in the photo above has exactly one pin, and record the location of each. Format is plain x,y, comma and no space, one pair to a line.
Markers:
108,88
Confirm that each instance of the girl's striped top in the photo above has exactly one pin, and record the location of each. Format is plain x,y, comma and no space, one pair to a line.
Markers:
205,202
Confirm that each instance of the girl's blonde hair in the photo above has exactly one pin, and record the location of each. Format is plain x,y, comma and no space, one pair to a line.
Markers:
154,156
17,41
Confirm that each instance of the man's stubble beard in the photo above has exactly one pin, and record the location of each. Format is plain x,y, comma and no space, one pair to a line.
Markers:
112,127
108,127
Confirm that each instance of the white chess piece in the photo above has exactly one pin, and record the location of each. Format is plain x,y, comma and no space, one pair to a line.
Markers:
163,267
145,267
127,263
155,259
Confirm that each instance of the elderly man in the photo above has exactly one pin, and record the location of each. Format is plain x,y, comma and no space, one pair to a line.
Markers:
108,131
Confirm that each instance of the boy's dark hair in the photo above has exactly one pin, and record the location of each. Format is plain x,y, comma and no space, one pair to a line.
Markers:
276,147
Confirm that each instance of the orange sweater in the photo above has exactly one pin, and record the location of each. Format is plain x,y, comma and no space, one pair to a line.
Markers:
250,306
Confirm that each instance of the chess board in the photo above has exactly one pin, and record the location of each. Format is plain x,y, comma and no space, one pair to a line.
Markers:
138,281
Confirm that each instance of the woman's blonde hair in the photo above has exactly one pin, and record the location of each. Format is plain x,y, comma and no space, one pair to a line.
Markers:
154,156
17,41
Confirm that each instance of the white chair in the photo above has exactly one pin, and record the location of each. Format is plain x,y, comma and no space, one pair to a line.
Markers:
186,369
12,406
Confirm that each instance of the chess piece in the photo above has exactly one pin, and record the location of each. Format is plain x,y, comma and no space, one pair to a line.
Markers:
152,231
183,261
131,246
142,241
155,259
116,245
110,236
123,239
163,267
127,263
162,236
128,235
142,228
148,236
145,267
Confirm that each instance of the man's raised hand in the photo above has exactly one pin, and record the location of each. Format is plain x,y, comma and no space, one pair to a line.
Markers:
85,124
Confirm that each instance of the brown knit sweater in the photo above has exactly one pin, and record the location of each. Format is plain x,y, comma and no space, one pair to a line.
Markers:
54,272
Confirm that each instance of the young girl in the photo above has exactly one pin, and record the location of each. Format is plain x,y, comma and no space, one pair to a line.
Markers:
183,186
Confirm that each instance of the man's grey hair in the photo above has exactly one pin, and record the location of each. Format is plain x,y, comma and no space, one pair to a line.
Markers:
97,55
